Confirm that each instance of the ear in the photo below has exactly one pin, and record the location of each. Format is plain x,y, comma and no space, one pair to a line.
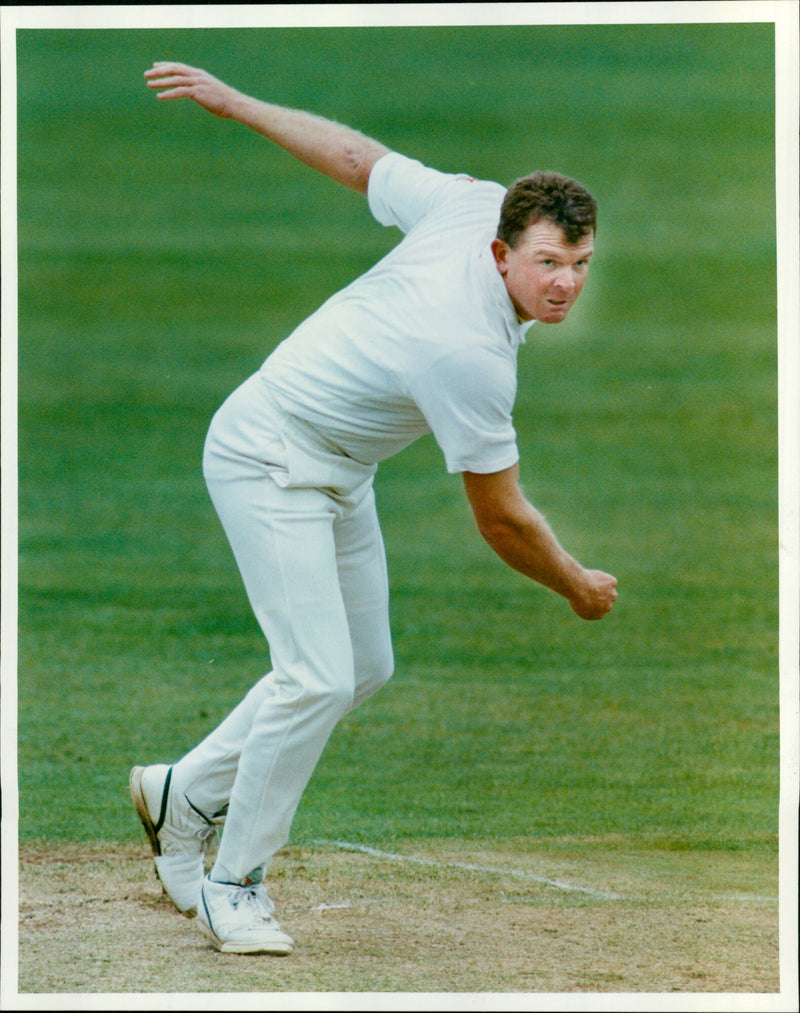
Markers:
500,250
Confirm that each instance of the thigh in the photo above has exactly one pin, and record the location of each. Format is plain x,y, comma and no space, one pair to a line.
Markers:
284,545
363,578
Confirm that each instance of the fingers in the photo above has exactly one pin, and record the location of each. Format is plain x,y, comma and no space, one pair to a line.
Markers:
179,80
175,93
162,68
598,600
178,77
165,82
594,613
607,599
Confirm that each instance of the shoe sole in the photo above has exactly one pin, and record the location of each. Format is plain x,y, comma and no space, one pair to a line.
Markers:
135,784
137,795
270,949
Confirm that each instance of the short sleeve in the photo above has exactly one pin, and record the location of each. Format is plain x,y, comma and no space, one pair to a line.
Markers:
467,397
402,190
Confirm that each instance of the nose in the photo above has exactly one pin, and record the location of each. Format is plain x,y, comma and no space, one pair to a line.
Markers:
564,281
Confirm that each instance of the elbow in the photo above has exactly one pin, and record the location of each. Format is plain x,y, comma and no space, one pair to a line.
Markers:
498,507
497,530
358,160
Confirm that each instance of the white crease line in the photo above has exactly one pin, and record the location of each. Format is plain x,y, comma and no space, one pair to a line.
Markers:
515,873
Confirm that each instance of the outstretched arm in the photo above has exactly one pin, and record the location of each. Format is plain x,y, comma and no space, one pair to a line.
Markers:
332,149
522,538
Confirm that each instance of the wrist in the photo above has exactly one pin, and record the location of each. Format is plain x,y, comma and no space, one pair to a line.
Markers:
239,107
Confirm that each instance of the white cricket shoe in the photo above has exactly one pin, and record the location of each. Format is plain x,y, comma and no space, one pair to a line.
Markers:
238,919
179,835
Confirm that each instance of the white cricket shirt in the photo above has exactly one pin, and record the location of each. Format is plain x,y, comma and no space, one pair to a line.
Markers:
425,341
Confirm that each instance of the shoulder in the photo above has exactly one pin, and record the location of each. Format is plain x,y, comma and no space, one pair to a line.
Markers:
403,190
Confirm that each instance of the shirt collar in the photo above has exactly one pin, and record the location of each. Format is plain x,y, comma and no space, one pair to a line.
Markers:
523,326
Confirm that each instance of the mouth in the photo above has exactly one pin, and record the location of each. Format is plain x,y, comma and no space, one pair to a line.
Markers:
557,306
556,311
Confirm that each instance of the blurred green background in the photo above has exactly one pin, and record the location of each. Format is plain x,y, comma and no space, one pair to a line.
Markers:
163,253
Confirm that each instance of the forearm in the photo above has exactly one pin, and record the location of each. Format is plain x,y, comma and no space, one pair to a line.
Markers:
525,541
340,152
522,538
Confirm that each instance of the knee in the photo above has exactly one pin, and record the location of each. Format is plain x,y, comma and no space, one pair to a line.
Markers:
373,673
333,696
339,698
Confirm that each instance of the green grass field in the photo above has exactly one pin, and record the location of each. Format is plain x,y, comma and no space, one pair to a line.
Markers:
163,253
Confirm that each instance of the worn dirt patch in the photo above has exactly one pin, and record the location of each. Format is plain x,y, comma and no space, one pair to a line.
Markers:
93,919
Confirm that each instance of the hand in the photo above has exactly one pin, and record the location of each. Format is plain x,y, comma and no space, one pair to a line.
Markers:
182,81
597,594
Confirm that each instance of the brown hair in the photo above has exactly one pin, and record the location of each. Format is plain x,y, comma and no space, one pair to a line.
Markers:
549,196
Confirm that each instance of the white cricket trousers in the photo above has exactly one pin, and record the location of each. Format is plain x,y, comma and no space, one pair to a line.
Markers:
301,520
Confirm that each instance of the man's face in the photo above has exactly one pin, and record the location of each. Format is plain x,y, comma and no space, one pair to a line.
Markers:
544,274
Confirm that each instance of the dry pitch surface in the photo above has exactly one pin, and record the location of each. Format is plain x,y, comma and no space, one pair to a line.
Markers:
567,916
